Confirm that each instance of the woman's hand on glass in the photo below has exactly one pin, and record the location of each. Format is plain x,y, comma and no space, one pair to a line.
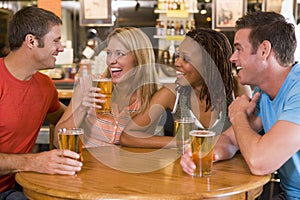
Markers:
92,98
186,162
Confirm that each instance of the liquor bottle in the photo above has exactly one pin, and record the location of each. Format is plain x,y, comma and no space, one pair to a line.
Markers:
181,28
162,28
187,26
165,57
168,28
157,27
177,27
171,51
172,28
160,4
193,24
182,5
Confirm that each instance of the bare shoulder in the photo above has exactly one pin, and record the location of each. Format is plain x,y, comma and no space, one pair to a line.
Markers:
171,87
165,96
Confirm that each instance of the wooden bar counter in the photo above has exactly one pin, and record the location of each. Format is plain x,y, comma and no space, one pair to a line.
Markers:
131,173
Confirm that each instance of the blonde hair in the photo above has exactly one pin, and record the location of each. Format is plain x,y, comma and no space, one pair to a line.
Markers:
139,44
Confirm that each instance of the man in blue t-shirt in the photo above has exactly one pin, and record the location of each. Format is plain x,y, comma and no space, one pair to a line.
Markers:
264,57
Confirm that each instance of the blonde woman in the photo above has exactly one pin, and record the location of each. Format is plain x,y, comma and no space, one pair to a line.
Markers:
131,65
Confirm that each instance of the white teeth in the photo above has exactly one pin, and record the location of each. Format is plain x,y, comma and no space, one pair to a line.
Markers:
179,73
115,69
239,68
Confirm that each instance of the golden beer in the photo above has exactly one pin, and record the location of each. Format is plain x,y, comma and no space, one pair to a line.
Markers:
182,127
202,145
105,84
69,138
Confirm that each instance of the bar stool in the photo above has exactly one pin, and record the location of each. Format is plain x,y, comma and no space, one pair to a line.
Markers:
274,184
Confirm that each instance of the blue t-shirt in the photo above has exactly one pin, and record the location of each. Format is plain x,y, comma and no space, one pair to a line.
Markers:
285,106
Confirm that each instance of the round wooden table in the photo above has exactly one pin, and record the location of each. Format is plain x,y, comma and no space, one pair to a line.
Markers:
133,173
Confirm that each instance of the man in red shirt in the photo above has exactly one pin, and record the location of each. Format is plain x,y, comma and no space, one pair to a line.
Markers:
27,98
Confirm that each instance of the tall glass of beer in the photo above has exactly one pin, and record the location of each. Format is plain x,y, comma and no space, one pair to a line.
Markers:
202,145
182,127
70,138
106,86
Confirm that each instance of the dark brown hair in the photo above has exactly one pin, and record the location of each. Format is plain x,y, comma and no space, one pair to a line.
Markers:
273,27
30,20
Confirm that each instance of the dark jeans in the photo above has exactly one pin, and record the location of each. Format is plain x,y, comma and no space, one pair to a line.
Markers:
13,195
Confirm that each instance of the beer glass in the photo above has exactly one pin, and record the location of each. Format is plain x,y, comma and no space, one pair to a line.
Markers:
202,145
182,127
70,138
105,84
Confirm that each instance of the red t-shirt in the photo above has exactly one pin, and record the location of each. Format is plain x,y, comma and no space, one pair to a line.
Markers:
23,107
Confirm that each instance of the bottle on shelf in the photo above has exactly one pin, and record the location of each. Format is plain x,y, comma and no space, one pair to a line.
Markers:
182,5
162,28
181,28
165,57
168,27
187,26
157,27
193,26
174,27
172,33
177,27
176,17
174,4
171,51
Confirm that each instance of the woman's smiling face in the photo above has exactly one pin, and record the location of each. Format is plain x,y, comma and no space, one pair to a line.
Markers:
119,59
189,62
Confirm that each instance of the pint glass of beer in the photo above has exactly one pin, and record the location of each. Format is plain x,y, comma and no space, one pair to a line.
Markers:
182,127
105,84
202,145
70,138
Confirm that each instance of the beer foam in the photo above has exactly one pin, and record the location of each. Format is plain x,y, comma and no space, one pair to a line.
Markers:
202,133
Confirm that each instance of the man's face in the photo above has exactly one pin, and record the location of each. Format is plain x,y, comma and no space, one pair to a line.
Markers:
46,55
248,64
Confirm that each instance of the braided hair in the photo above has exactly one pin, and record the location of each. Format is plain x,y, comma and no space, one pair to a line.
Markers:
217,47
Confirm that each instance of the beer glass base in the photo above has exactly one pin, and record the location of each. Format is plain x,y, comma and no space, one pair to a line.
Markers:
202,175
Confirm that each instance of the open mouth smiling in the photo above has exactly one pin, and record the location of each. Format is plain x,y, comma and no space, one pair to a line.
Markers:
179,73
238,69
115,70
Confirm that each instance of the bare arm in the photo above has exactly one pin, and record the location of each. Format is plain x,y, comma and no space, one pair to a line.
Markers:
50,162
73,115
263,154
139,132
226,146
77,109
